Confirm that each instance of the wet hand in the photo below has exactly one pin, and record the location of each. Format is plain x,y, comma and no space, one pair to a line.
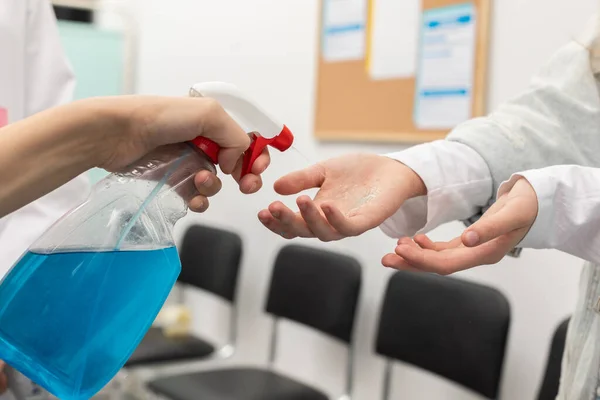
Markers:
356,193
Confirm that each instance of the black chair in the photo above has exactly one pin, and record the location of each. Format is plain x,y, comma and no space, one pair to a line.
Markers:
313,287
453,328
210,260
550,384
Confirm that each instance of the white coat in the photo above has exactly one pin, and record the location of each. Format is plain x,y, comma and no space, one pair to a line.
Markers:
549,135
34,75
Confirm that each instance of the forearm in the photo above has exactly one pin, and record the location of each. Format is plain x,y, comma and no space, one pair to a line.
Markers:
45,151
553,122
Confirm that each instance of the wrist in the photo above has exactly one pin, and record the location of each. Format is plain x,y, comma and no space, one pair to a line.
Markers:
413,185
105,122
418,187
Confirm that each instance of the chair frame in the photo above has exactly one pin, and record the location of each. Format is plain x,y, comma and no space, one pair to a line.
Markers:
225,351
349,379
387,379
273,346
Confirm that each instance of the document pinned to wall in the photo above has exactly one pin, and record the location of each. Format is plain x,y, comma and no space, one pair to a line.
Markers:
344,24
394,38
446,67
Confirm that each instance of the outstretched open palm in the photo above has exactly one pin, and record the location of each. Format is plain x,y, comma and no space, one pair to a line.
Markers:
487,241
356,193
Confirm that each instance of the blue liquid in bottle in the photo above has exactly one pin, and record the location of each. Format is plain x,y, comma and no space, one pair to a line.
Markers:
89,329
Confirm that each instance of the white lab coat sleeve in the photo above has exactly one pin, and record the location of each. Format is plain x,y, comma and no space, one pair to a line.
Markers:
49,81
568,209
458,184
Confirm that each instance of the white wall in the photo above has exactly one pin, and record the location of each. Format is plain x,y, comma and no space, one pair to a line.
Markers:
268,49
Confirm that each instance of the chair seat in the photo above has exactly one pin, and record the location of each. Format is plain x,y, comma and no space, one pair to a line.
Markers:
234,384
157,348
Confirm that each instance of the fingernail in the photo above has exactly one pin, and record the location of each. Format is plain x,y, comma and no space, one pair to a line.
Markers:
471,238
208,181
275,214
253,188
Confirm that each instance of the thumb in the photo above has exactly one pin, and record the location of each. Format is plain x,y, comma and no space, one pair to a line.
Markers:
298,181
510,217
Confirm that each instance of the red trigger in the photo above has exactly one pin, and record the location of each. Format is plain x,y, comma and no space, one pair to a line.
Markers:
281,142
255,149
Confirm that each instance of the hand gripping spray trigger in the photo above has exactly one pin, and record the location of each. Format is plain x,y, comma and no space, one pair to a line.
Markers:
79,301
272,133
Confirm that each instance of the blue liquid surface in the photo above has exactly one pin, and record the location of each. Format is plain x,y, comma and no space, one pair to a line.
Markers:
69,321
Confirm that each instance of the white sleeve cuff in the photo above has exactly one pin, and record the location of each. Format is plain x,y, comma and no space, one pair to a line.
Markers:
408,220
544,186
458,183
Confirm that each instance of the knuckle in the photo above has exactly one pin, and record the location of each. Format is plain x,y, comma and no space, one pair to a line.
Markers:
348,231
212,106
327,236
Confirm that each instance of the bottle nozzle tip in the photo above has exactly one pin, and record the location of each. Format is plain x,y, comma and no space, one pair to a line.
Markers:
284,140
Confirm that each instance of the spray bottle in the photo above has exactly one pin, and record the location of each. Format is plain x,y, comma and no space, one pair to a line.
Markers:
79,301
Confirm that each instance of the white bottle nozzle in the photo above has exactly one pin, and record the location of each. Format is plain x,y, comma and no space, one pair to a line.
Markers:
246,110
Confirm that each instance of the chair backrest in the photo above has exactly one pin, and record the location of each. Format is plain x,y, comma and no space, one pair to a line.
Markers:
210,260
451,327
316,288
550,384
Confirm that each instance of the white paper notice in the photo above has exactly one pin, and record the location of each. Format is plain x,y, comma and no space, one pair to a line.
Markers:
394,38
344,24
446,67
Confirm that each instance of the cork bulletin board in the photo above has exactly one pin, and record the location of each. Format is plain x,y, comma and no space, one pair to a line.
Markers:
352,106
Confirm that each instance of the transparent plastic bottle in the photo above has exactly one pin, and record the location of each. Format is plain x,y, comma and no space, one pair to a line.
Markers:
77,304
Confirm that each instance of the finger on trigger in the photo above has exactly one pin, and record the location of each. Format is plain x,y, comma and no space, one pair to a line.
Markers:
250,184
262,162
